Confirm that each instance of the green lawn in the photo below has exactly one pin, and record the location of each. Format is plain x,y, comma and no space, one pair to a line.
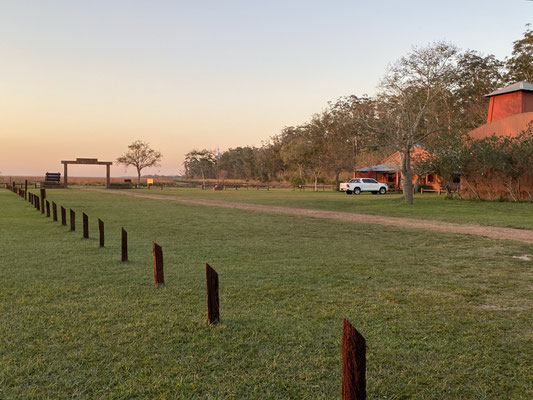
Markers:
445,316
427,206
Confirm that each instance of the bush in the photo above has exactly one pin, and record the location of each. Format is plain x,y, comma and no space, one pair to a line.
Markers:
297,181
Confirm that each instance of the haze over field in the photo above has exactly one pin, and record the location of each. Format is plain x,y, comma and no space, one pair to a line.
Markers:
86,79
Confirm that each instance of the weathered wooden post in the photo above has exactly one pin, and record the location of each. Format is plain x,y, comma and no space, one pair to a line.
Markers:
353,373
124,245
63,216
43,198
101,229
37,203
159,277
72,220
54,211
47,208
213,309
26,189
85,226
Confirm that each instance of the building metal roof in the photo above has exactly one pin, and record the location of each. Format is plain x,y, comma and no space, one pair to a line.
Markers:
380,168
515,87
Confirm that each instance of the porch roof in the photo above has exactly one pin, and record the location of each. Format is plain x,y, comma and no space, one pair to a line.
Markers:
380,168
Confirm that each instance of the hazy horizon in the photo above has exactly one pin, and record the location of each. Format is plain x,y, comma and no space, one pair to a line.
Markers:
87,79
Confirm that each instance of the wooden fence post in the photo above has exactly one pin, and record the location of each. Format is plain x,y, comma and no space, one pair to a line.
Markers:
124,245
37,203
43,198
72,220
54,211
159,277
63,216
101,229
26,189
213,309
85,226
353,373
47,208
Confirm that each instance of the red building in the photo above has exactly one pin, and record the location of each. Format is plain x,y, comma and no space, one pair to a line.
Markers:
510,112
388,171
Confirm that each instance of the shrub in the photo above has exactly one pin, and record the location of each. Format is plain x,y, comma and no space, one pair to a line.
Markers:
297,181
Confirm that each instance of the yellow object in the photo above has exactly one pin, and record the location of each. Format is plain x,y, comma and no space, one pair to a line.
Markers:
149,181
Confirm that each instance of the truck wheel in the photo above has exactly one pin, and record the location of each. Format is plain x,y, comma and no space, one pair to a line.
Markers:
382,190
348,192
357,191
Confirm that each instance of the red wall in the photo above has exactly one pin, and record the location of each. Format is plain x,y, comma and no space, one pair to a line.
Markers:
505,105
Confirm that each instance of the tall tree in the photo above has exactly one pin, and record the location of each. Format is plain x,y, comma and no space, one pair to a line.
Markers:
269,160
344,138
520,64
200,164
407,112
140,155
295,149
477,75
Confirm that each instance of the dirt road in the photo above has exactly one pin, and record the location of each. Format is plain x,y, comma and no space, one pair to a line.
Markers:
521,235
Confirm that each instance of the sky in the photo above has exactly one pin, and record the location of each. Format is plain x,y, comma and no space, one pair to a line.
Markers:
87,78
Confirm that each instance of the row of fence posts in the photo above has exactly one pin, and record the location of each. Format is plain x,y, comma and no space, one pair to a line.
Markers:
353,344
40,202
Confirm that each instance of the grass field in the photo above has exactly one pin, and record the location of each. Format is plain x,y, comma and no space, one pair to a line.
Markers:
427,206
444,316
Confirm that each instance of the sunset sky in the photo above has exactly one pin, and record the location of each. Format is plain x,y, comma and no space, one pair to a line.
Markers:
86,78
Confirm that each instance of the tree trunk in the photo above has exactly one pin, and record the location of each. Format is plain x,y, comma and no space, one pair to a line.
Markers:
203,178
337,180
407,176
316,182
138,177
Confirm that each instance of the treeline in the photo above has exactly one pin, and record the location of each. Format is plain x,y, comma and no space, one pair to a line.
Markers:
431,97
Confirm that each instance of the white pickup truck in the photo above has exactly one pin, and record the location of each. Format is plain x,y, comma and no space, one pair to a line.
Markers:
359,185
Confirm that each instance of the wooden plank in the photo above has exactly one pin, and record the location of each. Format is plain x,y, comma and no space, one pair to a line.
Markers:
101,230
85,226
43,198
213,306
86,160
124,245
159,277
72,220
353,374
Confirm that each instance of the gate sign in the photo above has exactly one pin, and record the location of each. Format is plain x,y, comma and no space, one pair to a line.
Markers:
149,181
